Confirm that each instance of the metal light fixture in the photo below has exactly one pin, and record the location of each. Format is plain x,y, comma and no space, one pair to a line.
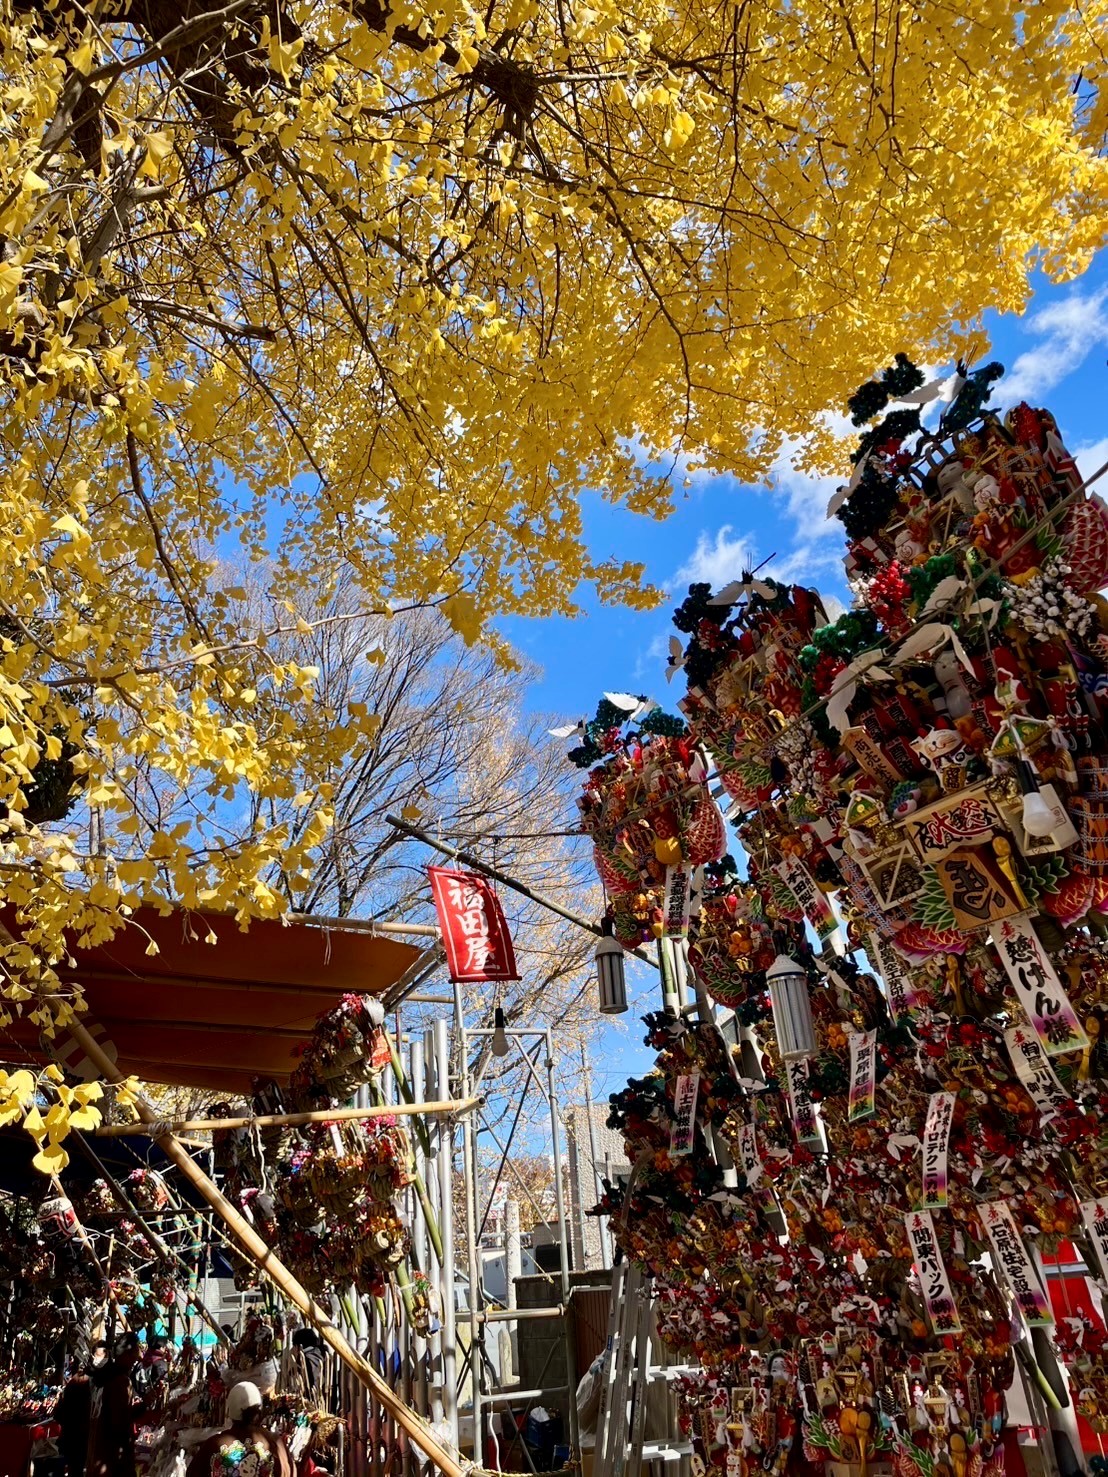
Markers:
792,1009
499,1037
610,972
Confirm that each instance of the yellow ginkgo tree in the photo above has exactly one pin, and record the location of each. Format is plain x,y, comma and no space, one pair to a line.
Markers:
378,292
23,1095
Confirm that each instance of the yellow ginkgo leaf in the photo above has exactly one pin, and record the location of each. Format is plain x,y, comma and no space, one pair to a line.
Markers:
50,1159
283,55
462,613
81,59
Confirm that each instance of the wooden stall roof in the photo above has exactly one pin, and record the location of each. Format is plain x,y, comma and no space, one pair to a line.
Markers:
216,1015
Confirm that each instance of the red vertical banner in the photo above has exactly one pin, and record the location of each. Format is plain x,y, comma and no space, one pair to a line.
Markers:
474,930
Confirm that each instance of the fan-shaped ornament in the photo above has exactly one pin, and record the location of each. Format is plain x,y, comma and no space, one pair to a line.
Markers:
1085,535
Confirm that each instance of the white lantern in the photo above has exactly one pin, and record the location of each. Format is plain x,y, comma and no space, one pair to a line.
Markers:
792,1009
610,973
500,1045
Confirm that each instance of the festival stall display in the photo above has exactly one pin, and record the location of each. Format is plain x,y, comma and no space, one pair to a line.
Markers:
326,1195
652,820
917,960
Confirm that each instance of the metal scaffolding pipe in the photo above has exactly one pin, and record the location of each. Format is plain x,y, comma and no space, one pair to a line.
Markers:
559,1198
420,1235
513,1268
469,1155
602,1230
511,1315
519,1397
435,1277
369,925
446,1204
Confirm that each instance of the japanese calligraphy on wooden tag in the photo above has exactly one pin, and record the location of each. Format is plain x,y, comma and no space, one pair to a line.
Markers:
950,823
975,888
1039,989
1014,1261
866,753
942,1311
936,1141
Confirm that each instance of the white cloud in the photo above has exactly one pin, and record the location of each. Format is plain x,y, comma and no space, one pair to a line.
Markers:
816,542
812,544
715,560
806,498
1090,458
1069,330
650,665
805,563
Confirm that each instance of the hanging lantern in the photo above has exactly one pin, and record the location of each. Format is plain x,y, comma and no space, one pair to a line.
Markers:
57,1220
610,973
499,1038
1038,815
792,1009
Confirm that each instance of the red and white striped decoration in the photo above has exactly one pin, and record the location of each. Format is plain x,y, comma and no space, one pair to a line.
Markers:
70,1056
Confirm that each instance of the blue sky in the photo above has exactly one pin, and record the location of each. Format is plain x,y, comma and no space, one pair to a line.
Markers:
1055,355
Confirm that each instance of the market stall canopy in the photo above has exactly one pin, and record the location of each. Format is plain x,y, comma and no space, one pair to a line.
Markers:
216,1007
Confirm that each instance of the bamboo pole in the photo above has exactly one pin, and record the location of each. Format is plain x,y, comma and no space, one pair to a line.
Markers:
159,1245
276,1271
287,1120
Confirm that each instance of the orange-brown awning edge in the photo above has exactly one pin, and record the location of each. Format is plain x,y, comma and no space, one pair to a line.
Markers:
218,1014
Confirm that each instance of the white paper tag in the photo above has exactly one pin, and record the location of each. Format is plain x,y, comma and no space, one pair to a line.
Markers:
936,1139
934,1283
1014,1262
684,1109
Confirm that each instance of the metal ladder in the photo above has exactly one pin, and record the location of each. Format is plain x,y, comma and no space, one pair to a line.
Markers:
621,1448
